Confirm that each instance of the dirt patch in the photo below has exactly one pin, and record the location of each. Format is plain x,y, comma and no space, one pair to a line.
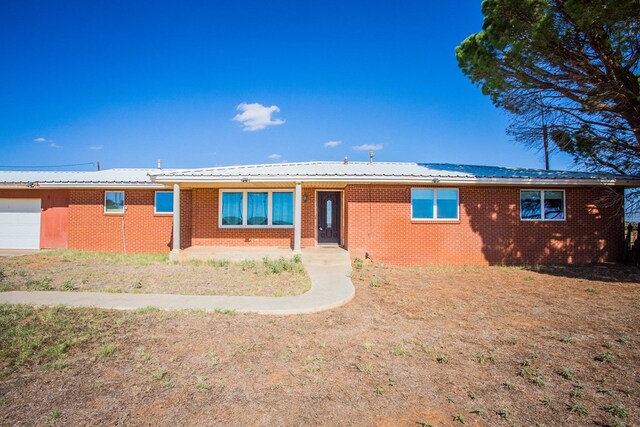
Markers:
483,346
78,271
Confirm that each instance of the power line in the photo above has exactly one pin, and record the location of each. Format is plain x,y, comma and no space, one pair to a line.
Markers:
49,166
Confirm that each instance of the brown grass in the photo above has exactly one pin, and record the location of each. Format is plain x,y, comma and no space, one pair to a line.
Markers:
102,272
431,346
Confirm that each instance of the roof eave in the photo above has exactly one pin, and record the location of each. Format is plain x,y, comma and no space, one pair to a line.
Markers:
406,180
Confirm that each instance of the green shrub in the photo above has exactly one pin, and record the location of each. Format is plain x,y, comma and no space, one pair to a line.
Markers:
279,265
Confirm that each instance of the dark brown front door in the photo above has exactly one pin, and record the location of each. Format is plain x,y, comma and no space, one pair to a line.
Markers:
329,217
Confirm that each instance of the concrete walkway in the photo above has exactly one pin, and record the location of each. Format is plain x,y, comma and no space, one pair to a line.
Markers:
328,267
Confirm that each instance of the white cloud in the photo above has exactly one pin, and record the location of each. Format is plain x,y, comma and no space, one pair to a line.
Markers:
256,116
368,147
96,147
332,144
274,156
49,142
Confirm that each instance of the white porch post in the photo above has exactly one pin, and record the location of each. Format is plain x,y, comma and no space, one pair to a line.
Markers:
297,218
175,250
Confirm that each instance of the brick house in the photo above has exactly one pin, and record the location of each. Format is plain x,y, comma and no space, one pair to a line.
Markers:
400,213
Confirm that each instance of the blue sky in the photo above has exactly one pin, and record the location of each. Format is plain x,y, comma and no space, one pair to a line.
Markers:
127,83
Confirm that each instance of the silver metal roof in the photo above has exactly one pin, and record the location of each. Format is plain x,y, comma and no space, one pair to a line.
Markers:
390,172
103,178
363,172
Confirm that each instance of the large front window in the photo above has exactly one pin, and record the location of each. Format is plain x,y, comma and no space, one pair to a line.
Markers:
263,208
542,205
432,203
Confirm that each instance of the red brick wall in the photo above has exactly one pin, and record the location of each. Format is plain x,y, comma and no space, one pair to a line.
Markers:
54,220
92,229
205,230
489,230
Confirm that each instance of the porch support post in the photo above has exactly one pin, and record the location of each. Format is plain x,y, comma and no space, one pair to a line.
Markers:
175,250
297,218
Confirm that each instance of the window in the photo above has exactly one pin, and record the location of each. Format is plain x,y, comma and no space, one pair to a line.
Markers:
542,205
164,202
232,209
265,208
282,211
114,201
431,203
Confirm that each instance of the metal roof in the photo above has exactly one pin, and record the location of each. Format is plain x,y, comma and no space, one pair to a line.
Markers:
391,172
363,172
103,178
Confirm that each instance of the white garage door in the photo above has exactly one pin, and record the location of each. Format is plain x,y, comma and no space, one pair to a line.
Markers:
19,223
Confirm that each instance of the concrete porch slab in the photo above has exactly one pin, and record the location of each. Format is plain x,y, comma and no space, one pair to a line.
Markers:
234,253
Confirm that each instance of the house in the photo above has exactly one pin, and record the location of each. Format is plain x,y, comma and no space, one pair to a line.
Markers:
400,213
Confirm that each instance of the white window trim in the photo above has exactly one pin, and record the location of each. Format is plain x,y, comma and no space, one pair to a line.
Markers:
245,205
435,205
155,207
124,202
542,218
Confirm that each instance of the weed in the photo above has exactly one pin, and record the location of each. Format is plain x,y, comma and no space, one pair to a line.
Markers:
532,375
357,263
578,408
508,385
399,350
218,263
567,340
146,310
43,284
68,286
367,345
159,374
591,290
477,411
608,345
54,415
375,282
577,391
503,412
278,294
248,265
363,367
607,357
617,410
604,391
214,360
379,391
623,339
459,418
279,265
442,358
567,373
423,424
547,401
137,284
201,384
482,357
106,350
528,278
224,311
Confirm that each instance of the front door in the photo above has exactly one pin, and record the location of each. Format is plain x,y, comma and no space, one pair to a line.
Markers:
328,217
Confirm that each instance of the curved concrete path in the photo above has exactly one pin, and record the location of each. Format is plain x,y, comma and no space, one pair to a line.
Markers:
328,267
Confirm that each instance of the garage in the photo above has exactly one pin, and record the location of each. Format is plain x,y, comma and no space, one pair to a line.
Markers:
20,223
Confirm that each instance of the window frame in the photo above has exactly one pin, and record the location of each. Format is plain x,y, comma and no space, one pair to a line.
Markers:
245,204
542,218
155,203
435,205
124,203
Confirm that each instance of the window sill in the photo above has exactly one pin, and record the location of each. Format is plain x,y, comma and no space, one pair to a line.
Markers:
257,227
162,214
435,221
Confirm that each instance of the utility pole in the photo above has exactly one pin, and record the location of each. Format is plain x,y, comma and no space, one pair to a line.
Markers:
545,138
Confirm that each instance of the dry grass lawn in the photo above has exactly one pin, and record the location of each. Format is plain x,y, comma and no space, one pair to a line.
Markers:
68,270
416,347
